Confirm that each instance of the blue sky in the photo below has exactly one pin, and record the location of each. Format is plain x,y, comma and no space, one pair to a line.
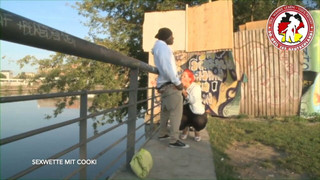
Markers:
57,14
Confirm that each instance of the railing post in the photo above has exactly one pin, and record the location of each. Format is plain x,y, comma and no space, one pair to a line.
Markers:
132,114
152,109
83,132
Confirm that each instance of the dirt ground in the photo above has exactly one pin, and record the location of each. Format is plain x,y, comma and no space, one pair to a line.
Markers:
257,161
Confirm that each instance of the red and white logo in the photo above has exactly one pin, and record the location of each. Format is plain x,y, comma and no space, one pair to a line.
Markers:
290,28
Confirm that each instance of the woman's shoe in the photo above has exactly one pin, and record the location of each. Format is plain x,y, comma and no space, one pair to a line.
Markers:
183,136
197,138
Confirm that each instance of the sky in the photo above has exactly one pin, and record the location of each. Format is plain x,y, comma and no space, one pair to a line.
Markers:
57,14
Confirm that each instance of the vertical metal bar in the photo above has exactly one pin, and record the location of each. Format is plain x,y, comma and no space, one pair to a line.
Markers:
83,132
132,114
152,110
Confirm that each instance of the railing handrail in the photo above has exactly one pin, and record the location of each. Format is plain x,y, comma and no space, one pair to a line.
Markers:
15,28
9,99
68,122
18,29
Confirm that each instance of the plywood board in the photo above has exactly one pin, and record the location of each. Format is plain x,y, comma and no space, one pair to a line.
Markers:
174,20
210,26
256,25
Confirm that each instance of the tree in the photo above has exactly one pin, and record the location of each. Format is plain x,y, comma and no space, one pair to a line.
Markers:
119,23
254,10
66,73
22,76
2,75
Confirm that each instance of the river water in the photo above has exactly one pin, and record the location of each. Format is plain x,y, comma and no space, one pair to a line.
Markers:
19,117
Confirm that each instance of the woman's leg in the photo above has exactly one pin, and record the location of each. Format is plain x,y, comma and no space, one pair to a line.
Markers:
199,122
184,134
185,122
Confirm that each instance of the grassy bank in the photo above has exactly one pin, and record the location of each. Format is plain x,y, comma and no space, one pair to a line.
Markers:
296,137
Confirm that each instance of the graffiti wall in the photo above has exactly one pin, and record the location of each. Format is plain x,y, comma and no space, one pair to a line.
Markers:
215,72
310,101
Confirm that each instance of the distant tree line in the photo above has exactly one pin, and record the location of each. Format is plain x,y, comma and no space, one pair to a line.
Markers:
2,75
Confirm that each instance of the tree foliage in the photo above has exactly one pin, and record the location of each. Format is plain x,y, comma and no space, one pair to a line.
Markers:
22,75
119,23
254,10
66,73
2,75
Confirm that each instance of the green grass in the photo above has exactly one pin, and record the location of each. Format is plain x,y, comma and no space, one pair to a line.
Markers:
297,137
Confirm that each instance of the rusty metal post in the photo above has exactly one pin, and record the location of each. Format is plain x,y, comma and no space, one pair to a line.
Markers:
152,109
132,114
83,132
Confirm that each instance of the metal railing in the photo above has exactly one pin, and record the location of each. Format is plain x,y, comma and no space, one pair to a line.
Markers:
15,28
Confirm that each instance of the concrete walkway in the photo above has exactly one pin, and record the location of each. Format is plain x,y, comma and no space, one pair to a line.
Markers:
195,162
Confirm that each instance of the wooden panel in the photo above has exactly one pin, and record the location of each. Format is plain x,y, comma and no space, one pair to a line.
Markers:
237,58
298,79
282,82
271,78
256,25
267,74
274,77
153,21
260,73
253,25
245,70
277,82
249,64
263,72
255,73
202,22
292,76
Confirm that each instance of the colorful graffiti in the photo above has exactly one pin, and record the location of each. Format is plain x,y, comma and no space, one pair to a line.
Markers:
216,74
310,101
312,52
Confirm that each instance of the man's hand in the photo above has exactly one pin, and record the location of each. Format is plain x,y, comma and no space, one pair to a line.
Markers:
179,87
184,93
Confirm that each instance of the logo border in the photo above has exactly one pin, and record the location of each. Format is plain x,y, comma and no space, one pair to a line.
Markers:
279,11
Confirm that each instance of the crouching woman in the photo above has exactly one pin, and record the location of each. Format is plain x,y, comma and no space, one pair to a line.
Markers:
193,110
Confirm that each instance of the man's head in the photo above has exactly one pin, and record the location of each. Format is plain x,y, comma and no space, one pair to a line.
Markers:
165,34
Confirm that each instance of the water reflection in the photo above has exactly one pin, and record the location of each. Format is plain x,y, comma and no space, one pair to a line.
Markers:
51,103
24,116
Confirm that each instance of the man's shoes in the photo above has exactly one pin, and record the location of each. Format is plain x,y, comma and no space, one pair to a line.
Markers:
164,137
179,144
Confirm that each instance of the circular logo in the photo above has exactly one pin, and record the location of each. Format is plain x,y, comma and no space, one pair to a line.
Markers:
290,28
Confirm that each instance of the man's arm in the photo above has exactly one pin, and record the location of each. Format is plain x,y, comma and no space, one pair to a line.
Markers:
169,71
